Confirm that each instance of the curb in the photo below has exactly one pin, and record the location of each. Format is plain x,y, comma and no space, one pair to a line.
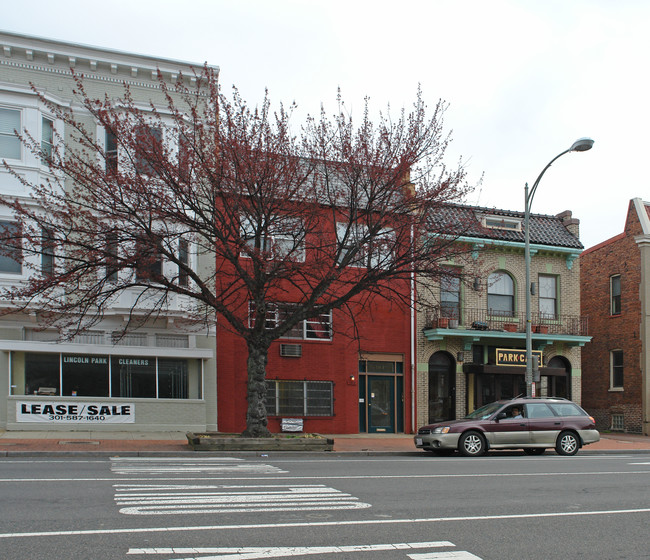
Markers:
276,454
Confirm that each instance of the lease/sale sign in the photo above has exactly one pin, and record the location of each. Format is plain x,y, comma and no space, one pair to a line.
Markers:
90,412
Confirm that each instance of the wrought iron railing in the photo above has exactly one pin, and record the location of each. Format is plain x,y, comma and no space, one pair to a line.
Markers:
493,320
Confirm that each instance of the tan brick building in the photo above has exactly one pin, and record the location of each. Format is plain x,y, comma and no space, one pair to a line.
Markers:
616,297
468,319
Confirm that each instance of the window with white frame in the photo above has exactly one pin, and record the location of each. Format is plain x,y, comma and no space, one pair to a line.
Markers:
148,149
615,294
9,142
299,398
280,237
548,308
501,222
184,260
314,328
354,242
616,370
112,245
47,251
47,139
501,294
110,151
450,294
11,255
149,261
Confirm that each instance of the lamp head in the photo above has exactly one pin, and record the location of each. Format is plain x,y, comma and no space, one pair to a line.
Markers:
582,145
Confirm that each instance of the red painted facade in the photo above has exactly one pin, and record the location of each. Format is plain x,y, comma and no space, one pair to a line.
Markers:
384,333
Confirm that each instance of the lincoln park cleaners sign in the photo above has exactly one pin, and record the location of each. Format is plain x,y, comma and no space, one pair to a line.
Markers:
75,412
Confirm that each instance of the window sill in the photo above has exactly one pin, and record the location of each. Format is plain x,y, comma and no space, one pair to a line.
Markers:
616,389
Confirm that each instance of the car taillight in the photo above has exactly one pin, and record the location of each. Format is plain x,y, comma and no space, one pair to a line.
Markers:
592,419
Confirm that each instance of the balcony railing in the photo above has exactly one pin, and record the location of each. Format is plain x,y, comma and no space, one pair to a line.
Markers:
492,320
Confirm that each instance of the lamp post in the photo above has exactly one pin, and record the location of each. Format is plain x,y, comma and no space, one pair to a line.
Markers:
580,145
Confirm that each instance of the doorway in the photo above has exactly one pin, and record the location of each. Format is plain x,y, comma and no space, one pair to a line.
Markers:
442,387
381,404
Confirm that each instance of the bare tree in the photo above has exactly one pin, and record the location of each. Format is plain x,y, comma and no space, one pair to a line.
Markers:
282,227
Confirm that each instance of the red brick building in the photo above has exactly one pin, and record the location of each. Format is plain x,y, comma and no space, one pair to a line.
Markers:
615,295
348,385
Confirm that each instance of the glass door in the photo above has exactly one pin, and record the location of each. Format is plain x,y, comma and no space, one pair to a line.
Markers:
381,404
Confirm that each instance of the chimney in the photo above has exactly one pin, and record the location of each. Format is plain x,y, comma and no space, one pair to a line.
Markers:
569,222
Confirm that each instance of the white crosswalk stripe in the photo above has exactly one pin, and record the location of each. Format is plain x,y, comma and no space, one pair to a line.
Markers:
259,552
190,465
171,499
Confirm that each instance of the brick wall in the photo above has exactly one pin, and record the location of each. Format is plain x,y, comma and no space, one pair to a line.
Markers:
619,255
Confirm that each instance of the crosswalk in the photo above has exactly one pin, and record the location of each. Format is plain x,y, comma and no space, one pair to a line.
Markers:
173,486
174,499
189,465
397,550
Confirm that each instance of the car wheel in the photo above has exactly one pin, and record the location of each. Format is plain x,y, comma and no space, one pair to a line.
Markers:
471,444
534,450
567,444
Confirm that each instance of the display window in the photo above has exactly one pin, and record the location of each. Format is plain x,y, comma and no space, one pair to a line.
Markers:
103,376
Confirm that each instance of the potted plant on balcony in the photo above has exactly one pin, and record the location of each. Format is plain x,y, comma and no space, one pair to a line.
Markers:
541,329
443,322
510,327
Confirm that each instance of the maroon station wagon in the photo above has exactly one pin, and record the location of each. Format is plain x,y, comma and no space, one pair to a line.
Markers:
531,424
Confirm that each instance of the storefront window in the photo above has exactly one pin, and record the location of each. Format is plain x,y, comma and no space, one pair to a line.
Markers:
100,376
41,374
172,379
133,377
85,376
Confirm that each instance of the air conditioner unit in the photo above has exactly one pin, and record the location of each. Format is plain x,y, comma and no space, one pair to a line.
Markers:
291,350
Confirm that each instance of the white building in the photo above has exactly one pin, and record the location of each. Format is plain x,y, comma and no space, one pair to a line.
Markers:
160,377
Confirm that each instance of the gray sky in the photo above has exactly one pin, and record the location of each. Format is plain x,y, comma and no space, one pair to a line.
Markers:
523,78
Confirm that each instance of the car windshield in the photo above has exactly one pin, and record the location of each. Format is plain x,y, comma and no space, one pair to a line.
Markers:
485,411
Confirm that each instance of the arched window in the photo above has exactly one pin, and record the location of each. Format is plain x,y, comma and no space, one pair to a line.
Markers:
501,294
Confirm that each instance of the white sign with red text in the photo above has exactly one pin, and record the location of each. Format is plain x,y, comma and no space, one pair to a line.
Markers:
75,412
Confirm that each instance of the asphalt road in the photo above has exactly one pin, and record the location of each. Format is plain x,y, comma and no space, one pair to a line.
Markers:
503,506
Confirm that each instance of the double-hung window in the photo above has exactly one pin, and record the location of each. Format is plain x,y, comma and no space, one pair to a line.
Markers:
47,252
110,152
47,139
112,246
501,294
11,255
616,370
450,295
9,142
184,260
615,294
313,328
280,237
357,246
148,149
548,296
149,257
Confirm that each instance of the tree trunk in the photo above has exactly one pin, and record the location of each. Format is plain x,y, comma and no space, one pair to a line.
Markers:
256,419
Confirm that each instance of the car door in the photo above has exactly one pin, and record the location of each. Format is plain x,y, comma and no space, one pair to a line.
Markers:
543,424
508,432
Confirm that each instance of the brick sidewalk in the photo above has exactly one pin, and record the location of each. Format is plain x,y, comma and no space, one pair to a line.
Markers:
17,443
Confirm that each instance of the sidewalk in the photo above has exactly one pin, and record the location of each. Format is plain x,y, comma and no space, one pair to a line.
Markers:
166,443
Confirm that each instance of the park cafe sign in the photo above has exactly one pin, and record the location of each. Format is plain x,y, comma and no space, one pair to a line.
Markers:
515,357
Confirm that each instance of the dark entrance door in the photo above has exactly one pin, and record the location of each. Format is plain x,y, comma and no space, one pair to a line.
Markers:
442,387
558,385
381,404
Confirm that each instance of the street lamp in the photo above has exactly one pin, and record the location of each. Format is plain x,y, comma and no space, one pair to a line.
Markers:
580,145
